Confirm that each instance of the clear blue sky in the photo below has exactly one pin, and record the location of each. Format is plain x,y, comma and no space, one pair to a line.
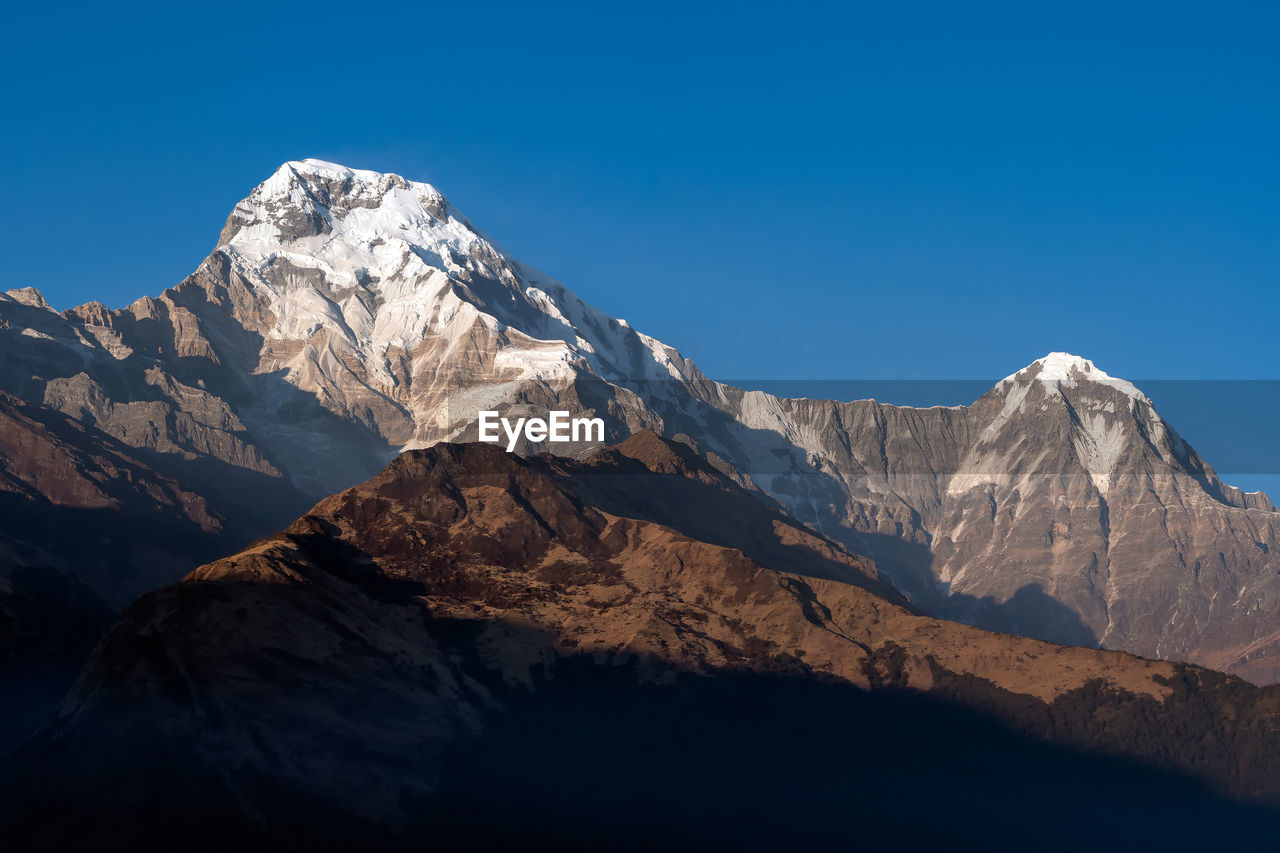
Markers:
780,190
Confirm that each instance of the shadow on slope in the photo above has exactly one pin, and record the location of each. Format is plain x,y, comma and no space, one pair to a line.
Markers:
69,573
1029,612
48,623
752,761
593,756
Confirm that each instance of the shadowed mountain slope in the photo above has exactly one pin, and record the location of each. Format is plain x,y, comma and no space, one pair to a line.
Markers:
87,527
475,647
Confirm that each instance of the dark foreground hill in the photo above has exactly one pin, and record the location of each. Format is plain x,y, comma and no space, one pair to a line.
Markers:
87,524
474,649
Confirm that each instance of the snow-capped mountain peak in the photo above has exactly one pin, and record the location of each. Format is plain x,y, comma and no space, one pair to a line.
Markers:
1062,369
308,199
341,182
369,286
1100,420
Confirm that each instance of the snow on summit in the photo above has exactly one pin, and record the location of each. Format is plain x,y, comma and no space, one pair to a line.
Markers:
383,263
1062,368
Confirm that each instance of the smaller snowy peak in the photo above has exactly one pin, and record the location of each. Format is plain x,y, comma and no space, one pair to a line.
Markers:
1062,369
1059,366
1063,365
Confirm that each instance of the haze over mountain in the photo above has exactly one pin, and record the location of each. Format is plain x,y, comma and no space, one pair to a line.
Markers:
346,315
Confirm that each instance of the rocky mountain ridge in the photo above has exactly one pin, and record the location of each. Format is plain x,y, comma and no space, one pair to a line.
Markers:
347,315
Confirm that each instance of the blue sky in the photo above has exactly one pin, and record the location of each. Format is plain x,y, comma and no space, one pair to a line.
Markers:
780,190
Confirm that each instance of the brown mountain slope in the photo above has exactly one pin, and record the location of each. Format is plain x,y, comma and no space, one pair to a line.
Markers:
477,647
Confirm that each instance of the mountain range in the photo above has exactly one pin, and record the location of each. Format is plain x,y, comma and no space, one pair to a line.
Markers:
321,374
346,315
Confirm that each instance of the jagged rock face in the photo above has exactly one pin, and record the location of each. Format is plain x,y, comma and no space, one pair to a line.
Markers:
1059,505
1077,488
389,632
346,315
